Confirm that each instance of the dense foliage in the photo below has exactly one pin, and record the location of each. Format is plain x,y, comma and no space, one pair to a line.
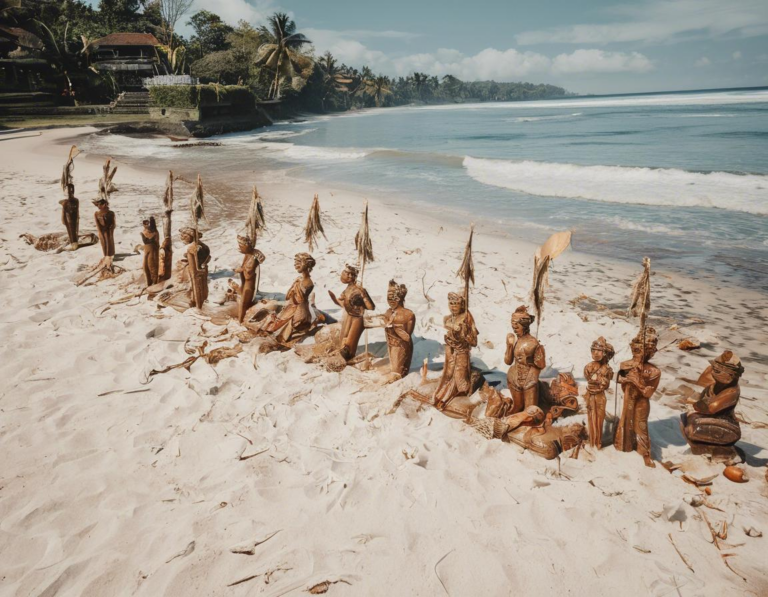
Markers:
195,96
275,61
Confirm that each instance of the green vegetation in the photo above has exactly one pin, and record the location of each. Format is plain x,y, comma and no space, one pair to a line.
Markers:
274,61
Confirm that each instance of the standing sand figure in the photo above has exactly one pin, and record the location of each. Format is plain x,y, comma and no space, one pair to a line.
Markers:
252,260
400,323
70,216
354,300
599,375
527,359
150,238
639,379
196,258
296,317
105,228
460,338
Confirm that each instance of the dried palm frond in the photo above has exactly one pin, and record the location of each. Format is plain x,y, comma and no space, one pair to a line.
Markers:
363,242
466,270
255,221
197,202
314,225
69,167
640,299
552,248
106,188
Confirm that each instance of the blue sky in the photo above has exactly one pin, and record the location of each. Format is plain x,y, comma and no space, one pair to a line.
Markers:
601,46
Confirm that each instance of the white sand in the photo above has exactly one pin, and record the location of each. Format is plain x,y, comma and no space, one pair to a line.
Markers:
112,487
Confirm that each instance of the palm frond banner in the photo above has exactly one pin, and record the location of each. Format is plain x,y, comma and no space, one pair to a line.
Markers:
314,227
545,254
640,298
106,188
363,242
466,270
197,202
69,168
256,221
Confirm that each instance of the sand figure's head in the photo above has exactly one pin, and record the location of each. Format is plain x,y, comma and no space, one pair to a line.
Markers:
727,368
304,263
602,351
456,303
396,294
349,274
522,320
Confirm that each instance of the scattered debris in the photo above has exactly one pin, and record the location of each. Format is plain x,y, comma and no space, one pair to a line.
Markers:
184,552
321,588
689,344
735,474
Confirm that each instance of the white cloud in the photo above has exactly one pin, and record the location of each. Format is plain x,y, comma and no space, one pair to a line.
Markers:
736,55
599,61
663,21
702,62
501,65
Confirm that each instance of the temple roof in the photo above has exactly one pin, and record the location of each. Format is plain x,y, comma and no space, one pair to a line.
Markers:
127,39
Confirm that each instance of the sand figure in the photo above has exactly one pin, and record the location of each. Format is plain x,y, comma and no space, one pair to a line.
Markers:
196,258
105,228
527,359
165,268
246,290
460,338
711,428
354,300
599,375
639,379
150,238
295,317
70,216
400,323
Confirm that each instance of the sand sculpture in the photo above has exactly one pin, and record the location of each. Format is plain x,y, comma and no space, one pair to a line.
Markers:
150,238
599,375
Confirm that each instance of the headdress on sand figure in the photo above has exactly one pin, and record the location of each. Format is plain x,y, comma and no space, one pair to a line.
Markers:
454,298
603,345
729,361
522,316
189,231
649,335
351,270
306,259
398,291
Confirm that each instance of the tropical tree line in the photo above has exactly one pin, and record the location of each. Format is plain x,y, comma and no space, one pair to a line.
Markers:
275,60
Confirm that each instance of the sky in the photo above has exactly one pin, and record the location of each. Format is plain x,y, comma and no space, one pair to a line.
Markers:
596,46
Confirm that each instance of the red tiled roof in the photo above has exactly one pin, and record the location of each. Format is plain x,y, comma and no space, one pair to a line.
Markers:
128,39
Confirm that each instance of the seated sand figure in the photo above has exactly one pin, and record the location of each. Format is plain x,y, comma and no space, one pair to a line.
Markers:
398,327
460,338
354,300
150,239
291,321
599,375
711,428
58,241
246,290
105,228
527,359
70,217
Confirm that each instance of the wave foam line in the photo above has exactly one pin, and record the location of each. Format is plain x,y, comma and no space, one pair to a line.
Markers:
620,184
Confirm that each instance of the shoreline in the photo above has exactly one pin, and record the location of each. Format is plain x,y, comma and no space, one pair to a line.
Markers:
108,478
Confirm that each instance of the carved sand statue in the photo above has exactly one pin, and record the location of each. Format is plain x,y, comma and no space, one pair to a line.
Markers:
527,359
638,377
105,228
454,393
70,217
599,375
248,270
197,255
399,324
711,427
354,299
165,268
288,322
151,262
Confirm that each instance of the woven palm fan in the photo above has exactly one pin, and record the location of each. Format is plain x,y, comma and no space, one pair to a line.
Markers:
467,269
552,248
314,227
69,167
106,188
256,221
363,243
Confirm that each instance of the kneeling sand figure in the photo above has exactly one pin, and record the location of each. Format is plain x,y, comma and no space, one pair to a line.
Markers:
150,238
711,428
460,338
105,228
293,320
252,260
527,359
599,375
399,325
70,217
355,300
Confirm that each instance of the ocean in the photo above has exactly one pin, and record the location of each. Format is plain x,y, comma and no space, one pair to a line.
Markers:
679,177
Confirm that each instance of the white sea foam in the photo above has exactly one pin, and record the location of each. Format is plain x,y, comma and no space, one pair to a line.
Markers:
618,184
283,134
301,153
625,224
537,118
694,99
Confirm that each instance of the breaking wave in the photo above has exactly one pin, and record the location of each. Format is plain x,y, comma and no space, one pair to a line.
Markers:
618,184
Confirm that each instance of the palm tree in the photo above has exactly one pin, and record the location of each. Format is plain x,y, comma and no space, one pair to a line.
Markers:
335,79
280,52
420,82
377,87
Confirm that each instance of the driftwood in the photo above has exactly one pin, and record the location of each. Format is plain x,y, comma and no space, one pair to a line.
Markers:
212,358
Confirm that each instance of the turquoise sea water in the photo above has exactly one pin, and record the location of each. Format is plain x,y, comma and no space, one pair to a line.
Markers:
680,177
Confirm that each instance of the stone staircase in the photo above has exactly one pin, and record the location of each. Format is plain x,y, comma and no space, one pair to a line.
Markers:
131,102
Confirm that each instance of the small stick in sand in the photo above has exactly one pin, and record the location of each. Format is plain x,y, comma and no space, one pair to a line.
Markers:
682,557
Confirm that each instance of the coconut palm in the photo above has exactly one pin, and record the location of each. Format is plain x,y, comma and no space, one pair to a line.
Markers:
280,52
335,78
378,88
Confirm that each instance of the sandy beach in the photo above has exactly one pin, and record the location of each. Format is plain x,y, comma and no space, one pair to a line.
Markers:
265,475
